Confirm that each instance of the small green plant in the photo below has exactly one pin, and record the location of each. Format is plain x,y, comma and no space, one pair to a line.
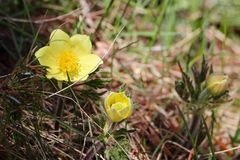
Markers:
201,90
118,108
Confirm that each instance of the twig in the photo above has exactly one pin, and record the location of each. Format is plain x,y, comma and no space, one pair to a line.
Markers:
42,20
84,143
6,75
58,113
92,152
220,152
191,154
174,143
64,153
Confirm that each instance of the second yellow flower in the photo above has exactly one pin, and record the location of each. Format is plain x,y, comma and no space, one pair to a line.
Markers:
118,106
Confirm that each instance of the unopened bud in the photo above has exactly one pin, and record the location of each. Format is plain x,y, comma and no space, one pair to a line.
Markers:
217,84
118,106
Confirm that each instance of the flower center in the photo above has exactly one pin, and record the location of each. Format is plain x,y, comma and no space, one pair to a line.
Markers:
68,63
118,106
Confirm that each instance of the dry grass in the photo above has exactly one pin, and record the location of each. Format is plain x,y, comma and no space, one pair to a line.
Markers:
141,42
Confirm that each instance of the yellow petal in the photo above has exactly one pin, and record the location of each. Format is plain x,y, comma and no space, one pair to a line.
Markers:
46,57
58,76
115,97
42,51
110,99
122,110
58,35
79,77
59,41
125,112
113,115
81,44
88,64
121,97
130,110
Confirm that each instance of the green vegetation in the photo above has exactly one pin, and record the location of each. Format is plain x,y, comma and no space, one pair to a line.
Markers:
160,53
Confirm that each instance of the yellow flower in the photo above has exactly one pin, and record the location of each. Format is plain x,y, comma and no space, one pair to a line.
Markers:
68,57
118,106
217,84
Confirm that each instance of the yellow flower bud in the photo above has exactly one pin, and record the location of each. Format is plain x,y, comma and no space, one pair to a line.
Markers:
217,84
118,106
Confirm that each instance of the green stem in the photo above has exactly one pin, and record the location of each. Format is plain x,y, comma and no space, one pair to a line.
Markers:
105,15
189,134
209,138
